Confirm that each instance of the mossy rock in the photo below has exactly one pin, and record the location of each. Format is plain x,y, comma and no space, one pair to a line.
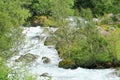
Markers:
26,58
50,41
45,60
39,20
67,63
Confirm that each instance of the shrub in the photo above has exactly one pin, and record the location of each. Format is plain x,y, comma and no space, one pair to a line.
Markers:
84,60
107,19
4,71
104,60
51,23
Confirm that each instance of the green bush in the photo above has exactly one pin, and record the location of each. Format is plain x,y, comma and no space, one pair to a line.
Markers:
84,60
51,23
4,71
103,58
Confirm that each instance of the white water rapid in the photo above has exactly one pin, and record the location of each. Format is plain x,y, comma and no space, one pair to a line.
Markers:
35,45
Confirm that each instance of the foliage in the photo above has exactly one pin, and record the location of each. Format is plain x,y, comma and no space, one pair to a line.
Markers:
116,6
20,73
84,45
12,15
4,71
98,7
114,41
78,46
40,7
62,10
50,8
67,63
51,22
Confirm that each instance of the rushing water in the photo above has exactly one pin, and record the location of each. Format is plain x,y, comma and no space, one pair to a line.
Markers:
35,45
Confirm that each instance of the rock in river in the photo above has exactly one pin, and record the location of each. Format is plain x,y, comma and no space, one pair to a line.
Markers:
26,58
45,60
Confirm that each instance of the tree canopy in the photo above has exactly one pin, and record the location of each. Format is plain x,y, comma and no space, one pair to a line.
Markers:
12,15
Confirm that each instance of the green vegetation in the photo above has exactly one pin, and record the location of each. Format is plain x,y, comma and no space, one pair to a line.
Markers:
4,71
98,7
87,44
12,15
21,73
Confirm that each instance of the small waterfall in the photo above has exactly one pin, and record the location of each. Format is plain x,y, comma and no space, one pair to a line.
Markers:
34,44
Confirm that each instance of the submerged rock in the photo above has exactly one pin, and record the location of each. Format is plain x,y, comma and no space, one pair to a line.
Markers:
26,58
45,60
103,32
116,73
44,75
36,37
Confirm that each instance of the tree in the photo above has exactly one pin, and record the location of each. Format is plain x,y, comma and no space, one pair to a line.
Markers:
59,13
116,9
63,10
98,7
12,16
40,7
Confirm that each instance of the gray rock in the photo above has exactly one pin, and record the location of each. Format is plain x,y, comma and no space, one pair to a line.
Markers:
45,60
112,28
44,75
103,32
35,37
46,30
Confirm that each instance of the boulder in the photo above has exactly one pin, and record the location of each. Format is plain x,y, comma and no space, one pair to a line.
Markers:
45,60
103,32
26,58
112,29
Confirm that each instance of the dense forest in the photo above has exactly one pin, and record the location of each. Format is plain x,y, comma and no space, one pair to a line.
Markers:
92,42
